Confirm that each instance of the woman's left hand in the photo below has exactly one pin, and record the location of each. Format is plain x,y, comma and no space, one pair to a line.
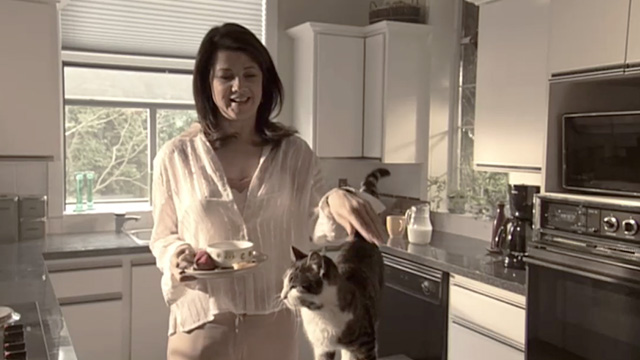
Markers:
356,214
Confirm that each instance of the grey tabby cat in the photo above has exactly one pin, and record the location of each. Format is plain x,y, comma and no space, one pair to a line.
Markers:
339,302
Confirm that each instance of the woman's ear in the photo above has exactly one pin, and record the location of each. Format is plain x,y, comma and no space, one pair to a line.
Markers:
296,254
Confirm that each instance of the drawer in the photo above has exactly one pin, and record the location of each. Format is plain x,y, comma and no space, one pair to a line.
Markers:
32,228
86,282
33,207
487,312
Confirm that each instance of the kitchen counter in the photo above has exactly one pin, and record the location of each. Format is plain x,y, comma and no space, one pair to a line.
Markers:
68,246
448,252
24,279
460,255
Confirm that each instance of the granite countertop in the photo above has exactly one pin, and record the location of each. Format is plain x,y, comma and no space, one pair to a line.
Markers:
460,255
66,246
24,279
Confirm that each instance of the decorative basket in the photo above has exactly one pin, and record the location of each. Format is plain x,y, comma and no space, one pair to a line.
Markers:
396,11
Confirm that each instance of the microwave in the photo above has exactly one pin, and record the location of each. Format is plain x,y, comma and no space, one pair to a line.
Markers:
601,153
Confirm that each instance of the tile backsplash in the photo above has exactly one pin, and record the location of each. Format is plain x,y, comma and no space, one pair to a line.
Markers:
23,177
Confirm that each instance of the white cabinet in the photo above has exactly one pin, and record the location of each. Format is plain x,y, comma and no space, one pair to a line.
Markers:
473,345
511,89
339,79
149,314
30,85
587,35
373,95
113,306
633,44
400,92
362,91
95,329
484,322
327,90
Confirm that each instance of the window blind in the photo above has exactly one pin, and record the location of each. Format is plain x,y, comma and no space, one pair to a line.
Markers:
169,28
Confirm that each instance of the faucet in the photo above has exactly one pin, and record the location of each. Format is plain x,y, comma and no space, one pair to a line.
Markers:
121,219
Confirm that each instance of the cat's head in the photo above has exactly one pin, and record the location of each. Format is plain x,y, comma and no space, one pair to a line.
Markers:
311,281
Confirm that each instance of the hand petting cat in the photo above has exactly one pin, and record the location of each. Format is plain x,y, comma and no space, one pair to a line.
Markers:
356,214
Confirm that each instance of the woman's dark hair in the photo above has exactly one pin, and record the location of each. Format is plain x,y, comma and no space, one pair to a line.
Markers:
234,37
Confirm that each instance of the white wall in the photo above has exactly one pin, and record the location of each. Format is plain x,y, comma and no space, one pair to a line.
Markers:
23,177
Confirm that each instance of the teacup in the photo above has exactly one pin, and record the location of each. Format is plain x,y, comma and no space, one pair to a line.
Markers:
228,253
396,225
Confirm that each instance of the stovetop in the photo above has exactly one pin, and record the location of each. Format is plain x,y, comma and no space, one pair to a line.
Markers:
24,339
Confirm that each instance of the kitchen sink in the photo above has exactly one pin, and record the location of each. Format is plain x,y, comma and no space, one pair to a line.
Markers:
140,236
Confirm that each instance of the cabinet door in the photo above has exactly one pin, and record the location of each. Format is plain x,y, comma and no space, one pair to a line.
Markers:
95,329
511,89
149,314
30,73
339,95
465,344
633,45
587,34
373,95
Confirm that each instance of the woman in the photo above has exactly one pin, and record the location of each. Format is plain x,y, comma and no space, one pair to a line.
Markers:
239,175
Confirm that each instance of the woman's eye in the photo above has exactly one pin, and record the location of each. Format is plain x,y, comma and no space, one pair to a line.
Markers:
250,76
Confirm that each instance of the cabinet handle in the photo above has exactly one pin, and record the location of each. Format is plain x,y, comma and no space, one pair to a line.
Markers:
487,333
425,288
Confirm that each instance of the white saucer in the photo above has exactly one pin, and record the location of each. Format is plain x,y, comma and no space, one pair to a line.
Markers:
258,259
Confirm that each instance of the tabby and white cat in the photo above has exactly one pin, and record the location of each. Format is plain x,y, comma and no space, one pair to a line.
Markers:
339,302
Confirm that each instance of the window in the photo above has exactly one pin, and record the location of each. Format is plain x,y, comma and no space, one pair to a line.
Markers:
475,192
115,122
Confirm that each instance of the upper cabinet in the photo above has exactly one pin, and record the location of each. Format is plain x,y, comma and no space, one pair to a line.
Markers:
511,86
633,45
362,92
589,36
30,89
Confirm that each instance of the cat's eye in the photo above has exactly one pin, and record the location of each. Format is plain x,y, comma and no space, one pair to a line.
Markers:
306,288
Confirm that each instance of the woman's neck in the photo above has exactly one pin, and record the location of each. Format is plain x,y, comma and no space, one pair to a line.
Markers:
244,130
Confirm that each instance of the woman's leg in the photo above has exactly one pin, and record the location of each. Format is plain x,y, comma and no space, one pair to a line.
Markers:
214,340
269,337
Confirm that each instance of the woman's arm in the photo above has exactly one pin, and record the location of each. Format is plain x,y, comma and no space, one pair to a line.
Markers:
340,212
172,253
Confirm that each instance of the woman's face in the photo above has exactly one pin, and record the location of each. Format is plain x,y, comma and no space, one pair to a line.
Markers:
236,86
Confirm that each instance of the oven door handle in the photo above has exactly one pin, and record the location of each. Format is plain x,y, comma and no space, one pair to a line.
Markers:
481,330
579,272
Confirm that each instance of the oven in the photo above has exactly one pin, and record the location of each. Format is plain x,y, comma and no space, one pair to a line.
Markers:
413,314
583,285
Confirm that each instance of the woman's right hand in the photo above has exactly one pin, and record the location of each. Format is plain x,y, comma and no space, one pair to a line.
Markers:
183,258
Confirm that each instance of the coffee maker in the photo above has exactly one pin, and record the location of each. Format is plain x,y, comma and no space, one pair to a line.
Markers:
516,231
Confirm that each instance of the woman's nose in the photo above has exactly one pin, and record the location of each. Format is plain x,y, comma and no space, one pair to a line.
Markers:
237,83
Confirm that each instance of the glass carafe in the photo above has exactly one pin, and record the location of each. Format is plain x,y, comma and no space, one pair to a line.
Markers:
419,228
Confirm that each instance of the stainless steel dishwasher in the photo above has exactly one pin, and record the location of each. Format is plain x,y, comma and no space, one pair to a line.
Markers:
413,318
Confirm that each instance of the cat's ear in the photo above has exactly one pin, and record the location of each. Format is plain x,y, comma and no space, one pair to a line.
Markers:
296,254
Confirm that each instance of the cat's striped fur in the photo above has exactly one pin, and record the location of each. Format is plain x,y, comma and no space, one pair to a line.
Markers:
339,301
